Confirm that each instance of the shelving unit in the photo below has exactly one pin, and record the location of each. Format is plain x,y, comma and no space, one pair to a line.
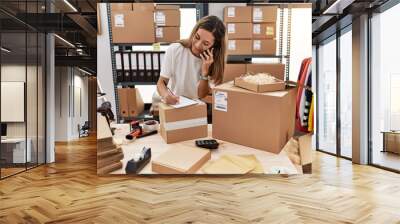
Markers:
283,58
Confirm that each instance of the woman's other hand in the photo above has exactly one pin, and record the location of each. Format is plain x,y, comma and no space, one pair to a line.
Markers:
208,58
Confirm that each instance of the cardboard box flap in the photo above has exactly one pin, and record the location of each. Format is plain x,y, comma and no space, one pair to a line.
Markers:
183,158
172,114
229,86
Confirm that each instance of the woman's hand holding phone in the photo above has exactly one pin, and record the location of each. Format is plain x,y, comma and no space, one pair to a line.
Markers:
208,58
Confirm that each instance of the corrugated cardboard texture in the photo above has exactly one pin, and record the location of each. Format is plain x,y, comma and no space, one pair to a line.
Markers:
170,7
266,31
242,47
169,34
123,102
143,7
242,14
263,121
128,31
259,88
121,7
232,71
172,17
268,14
130,102
170,114
239,30
265,47
181,160
277,70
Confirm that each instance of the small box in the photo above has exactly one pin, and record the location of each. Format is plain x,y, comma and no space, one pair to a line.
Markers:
180,160
126,24
264,47
239,30
167,17
167,34
264,14
269,117
278,86
121,7
181,124
232,71
237,14
264,30
239,47
277,70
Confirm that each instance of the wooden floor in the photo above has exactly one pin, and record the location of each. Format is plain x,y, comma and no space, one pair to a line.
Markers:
70,192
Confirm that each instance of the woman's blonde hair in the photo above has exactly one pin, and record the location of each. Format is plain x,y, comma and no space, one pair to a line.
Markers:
215,26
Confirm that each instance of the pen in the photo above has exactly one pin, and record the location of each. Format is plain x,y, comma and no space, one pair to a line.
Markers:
166,85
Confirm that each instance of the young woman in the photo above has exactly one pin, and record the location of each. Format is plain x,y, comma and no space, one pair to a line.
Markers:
192,64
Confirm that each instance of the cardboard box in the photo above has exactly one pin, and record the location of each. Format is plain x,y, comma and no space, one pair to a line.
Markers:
167,17
121,7
264,121
278,86
130,102
167,7
143,7
264,47
232,71
237,14
239,30
239,47
125,27
180,160
167,34
264,30
277,70
264,14
181,124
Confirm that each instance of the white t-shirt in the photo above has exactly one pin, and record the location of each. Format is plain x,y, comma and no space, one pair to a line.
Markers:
182,69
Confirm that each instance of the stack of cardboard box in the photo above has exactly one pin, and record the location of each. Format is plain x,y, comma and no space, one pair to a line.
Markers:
144,23
167,20
250,30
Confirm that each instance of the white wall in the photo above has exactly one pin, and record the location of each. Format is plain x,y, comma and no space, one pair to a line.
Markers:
104,68
67,116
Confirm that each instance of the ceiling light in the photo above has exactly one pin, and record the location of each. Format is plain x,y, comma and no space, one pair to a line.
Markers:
5,50
65,41
86,72
70,5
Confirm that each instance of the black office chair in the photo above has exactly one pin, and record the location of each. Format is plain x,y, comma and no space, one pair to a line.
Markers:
84,130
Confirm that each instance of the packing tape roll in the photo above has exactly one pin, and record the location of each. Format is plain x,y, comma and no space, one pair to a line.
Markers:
150,125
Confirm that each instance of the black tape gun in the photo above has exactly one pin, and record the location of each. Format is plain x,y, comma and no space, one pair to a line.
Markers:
138,161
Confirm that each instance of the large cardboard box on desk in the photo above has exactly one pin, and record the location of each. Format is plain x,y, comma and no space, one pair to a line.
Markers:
263,121
181,124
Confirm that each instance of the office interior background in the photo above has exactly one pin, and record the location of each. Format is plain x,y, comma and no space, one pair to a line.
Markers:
52,88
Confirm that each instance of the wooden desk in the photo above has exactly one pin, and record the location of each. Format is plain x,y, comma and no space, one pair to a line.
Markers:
156,143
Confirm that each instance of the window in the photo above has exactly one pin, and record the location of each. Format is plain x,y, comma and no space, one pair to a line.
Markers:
327,96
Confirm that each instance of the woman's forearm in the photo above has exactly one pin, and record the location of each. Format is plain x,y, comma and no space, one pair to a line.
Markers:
203,89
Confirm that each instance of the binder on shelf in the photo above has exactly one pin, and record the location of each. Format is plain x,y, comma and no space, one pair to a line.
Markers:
148,67
134,66
126,65
142,76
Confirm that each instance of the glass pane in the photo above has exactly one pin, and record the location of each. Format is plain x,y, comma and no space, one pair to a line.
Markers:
346,94
327,96
13,86
41,99
31,98
385,90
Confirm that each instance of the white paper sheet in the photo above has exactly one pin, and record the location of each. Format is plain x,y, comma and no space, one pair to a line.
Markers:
184,102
